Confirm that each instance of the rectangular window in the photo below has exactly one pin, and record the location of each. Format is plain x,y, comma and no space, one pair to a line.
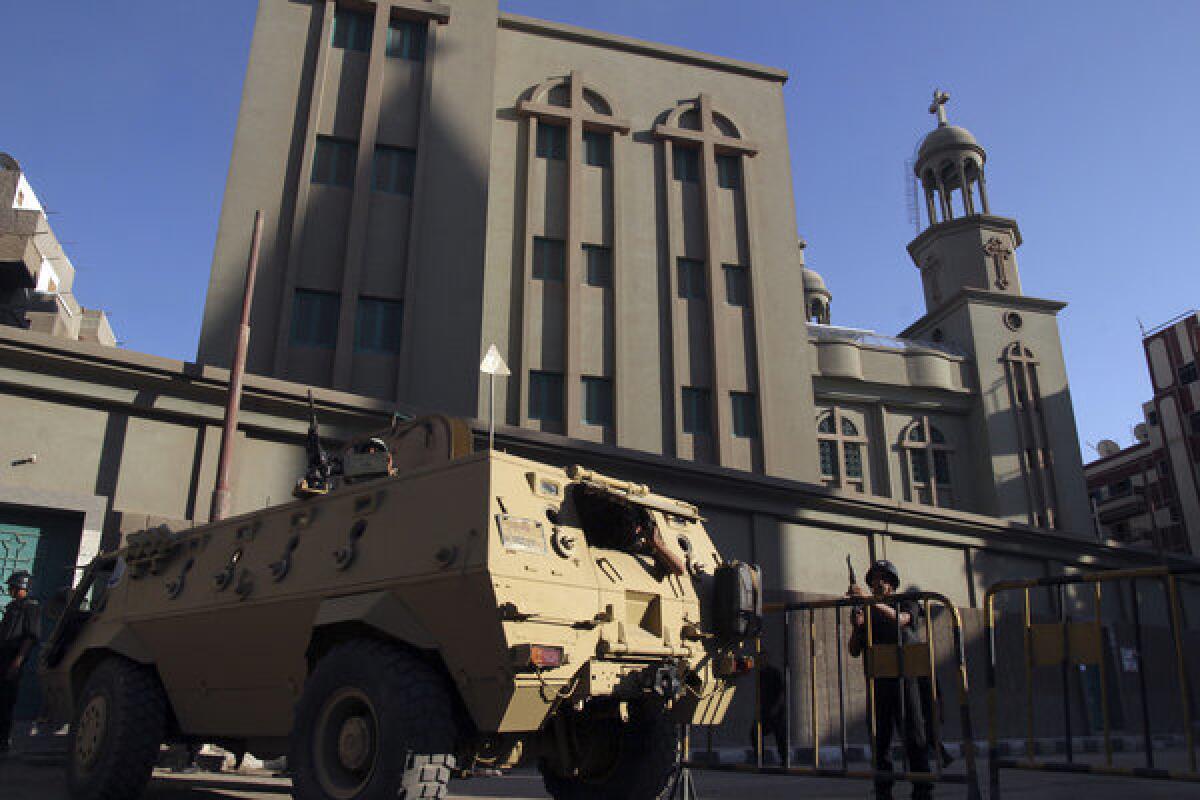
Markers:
696,410
598,265
334,161
854,463
394,169
546,396
1120,488
1164,469
729,172
406,39
597,401
1195,420
941,467
377,325
687,164
918,466
551,141
352,30
597,149
737,290
691,279
315,318
829,460
549,258
745,414
1152,418
1187,373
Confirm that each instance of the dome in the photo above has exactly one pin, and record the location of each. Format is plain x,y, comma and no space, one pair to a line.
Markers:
813,282
948,137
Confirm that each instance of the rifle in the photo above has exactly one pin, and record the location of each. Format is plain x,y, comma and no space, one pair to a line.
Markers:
320,469
850,569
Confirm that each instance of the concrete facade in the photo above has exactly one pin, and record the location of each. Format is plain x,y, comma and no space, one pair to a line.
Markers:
617,217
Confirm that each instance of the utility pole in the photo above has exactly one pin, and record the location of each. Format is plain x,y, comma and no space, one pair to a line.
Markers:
222,495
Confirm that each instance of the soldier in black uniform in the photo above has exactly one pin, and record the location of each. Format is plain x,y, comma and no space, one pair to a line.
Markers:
20,629
892,694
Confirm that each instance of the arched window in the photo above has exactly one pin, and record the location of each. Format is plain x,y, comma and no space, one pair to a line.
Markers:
1036,458
927,465
842,449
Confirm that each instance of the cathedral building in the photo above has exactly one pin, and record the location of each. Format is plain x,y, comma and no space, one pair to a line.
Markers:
617,216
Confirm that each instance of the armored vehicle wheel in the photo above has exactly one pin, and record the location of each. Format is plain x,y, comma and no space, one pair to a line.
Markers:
119,723
634,760
373,722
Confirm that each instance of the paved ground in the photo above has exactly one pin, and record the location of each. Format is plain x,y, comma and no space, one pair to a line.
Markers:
20,781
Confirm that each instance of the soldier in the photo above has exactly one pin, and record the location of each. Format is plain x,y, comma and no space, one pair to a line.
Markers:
771,708
20,629
897,700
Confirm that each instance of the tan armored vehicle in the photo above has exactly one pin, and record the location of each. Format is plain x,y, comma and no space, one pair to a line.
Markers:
438,610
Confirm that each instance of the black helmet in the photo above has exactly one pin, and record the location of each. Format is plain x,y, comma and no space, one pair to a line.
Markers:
887,570
20,580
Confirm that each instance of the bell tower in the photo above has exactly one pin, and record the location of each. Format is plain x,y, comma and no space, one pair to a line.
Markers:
1023,438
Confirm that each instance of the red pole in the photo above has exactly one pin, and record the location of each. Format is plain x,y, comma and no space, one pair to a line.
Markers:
222,495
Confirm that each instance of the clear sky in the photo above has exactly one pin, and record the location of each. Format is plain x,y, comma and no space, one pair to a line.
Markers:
123,116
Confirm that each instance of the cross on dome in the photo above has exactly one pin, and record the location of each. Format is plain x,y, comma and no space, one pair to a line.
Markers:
938,106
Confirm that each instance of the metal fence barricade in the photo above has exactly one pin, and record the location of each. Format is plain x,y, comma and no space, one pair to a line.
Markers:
1073,644
883,661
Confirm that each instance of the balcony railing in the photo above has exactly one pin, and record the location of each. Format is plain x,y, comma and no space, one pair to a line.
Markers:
871,338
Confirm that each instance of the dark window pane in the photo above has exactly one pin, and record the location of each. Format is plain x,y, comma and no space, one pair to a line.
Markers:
406,39
687,164
848,427
826,424
598,266
745,414
549,257
597,401
545,396
394,169
377,325
729,172
597,149
1152,418
551,141
334,161
829,462
1195,418
917,433
352,30
941,467
315,318
936,435
920,467
1187,373
691,278
696,416
737,291
854,464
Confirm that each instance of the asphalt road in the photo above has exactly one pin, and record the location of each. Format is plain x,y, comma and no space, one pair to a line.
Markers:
20,781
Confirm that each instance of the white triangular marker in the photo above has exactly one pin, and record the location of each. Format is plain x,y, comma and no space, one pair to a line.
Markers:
493,364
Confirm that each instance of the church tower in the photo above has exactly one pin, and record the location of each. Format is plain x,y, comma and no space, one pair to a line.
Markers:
1027,464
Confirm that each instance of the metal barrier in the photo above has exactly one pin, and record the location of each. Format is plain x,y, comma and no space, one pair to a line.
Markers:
882,661
1067,643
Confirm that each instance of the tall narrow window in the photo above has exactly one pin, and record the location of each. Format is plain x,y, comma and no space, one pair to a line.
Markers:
377,325
597,401
334,161
394,169
729,172
315,318
352,30
546,396
841,449
1041,491
598,265
691,279
549,258
697,416
737,288
745,414
927,464
597,149
687,164
551,141
1187,373
406,39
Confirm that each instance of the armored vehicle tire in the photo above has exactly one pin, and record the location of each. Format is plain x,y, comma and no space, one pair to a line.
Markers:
120,721
642,760
373,722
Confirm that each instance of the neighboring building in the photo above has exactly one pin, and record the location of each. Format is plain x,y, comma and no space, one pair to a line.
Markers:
1148,494
450,176
36,277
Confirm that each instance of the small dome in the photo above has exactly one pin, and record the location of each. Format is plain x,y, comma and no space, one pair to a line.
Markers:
813,282
948,137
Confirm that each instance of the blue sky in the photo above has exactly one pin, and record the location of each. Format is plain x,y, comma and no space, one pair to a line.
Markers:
123,116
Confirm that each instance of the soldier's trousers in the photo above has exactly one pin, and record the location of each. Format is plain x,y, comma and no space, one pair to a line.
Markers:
8,701
911,724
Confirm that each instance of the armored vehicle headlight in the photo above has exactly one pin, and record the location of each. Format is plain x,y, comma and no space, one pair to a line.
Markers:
538,656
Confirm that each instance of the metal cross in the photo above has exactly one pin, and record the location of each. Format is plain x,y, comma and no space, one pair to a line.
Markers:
938,106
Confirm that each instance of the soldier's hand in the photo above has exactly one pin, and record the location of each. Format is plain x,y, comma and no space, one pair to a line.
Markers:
857,617
857,591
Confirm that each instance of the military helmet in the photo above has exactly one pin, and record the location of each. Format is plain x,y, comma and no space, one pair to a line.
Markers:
20,580
887,570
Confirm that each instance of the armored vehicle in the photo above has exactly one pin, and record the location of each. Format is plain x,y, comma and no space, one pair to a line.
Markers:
438,610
